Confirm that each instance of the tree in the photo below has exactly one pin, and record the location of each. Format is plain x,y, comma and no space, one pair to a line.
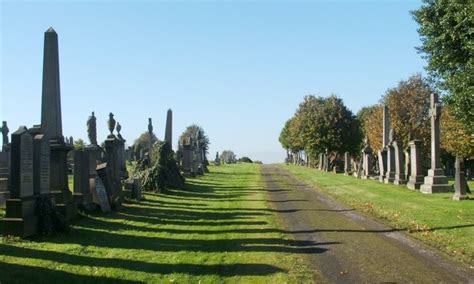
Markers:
456,138
409,105
79,144
446,31
144,141
197,134
371,119
228,157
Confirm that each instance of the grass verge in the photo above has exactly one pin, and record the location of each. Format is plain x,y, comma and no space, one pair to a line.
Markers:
216,230
435,219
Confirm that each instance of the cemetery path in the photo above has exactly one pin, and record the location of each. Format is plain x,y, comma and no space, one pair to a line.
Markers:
359,249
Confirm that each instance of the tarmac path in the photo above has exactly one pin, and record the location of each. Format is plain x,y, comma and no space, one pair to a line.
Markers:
358,249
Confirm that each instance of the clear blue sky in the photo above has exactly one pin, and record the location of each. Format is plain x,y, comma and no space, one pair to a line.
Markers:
238,69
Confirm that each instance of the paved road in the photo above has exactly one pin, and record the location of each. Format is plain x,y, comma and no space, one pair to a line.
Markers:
358,248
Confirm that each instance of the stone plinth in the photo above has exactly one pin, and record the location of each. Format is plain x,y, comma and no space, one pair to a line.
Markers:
382,160
416,178
399,165
390,173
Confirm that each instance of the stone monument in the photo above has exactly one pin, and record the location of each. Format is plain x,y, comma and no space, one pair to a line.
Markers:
51,127
436,181
20,218
416,177
460,183
82,181
366,160
382,153
347,164
399,164
169,128
5,132
390,173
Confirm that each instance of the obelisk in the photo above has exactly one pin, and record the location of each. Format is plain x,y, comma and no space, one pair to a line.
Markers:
51,126
382,153
436,181
169,128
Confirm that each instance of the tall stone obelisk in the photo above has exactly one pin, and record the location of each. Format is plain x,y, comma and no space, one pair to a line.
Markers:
382,153
51,126
436,181
169,128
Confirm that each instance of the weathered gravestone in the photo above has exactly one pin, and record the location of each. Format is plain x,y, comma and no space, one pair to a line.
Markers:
416,178
347,164
41,165
460,183
51,127
20,219
367,160
4,177
321,161
102,196
436,181
399,164
390,173
82,180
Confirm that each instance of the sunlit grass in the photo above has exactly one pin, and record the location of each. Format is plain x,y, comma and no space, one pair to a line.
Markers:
216,230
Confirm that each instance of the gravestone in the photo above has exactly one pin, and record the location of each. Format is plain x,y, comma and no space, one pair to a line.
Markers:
436,181
121,154
321,161
169,128
399,164
407,163
51,127
390,173
366,160
326,161
347,165
20,219
460,183
382,162
416,177
41,165
5,131
113,171
4,177
82,182
217,160
187,159
102,196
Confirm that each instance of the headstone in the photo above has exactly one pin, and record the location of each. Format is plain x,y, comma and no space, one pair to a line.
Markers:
416,177
121,154
367,160
169,128
20,219
399,164
436,181
382,161
347,165
460,183
5,132
41,165
82,183
217,160
326,161
102,195
321,161
113,170
390,173
4,177
407,163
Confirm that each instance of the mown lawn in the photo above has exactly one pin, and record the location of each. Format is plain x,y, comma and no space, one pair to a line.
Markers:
435,219
218,229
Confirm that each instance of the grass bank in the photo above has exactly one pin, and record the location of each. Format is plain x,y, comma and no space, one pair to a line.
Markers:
216,230
435,219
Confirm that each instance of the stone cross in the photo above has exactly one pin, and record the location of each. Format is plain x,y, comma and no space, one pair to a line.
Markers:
435,112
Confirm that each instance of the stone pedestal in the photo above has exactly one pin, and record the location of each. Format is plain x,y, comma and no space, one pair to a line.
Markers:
122,158
460,183
435,182
367,162
59,179
399,165
113,170
416,178
82,183
390,173
4,175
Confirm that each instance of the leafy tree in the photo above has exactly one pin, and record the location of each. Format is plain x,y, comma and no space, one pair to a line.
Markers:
371,119
198,135
446,31
409,105
143,142
228,157
79,144
456,138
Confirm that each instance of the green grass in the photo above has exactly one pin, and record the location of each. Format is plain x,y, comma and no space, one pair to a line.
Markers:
435,219
216,230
